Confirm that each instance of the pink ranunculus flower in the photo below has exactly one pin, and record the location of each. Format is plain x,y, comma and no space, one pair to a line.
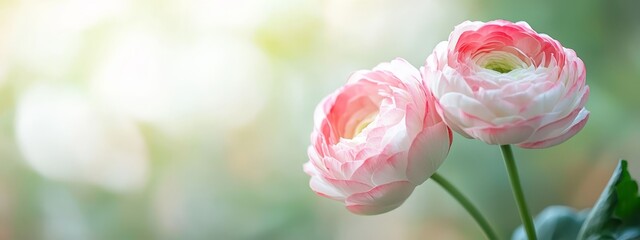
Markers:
375,139
503,83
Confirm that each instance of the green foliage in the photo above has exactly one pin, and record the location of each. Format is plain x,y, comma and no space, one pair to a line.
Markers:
555,222
616,214
628,206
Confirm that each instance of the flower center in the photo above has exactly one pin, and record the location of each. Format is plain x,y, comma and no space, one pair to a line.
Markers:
500,67
364,123
499,61
358,124
352,114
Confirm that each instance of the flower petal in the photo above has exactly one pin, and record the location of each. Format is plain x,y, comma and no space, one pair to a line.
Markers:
380,199
578,124
428,151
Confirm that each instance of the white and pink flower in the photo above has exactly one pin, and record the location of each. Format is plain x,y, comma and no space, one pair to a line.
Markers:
503,83
375,139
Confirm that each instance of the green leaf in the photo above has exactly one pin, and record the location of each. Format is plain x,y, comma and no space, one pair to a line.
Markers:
616,214
628,205
603,209
555,222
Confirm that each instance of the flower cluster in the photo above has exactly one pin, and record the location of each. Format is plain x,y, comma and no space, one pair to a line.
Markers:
388,129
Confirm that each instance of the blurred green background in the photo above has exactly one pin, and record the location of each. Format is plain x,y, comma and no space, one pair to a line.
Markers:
189,119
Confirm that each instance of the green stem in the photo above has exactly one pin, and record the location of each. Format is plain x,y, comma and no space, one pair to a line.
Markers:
518,194
464,201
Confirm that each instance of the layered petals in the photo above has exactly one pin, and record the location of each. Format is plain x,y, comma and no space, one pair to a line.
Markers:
504,83
375,139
